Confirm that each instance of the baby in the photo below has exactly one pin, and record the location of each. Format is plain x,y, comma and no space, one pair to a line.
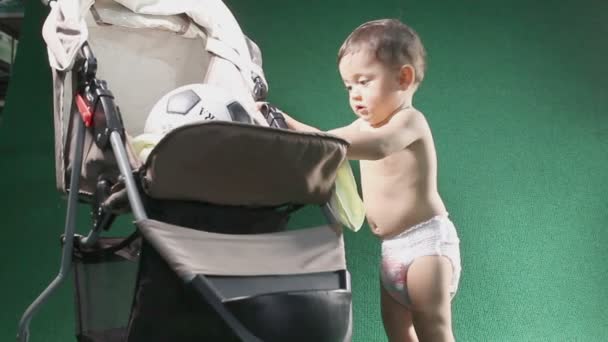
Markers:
382,63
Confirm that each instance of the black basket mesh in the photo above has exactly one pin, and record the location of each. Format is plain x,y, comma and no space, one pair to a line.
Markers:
105,277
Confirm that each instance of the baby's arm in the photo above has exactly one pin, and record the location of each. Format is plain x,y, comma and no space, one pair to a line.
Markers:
372,143
368,143
298,126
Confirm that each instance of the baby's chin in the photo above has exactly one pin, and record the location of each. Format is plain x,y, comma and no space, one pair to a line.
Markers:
369,118
363,115
370,122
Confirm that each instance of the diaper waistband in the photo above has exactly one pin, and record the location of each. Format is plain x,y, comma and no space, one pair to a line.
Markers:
436,218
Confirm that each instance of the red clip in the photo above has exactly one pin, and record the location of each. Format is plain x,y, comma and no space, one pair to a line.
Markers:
84,110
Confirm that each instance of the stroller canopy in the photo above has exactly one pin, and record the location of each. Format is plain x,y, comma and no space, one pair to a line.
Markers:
147,48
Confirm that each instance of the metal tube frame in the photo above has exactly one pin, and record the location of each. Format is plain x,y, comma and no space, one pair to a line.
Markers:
68,239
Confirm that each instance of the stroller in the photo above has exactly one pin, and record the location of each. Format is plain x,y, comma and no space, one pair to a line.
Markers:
210,258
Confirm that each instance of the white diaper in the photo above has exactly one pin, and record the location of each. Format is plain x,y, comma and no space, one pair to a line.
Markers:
436,236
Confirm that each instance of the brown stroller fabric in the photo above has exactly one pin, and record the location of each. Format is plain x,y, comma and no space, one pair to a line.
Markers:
190,252
238,164
223,163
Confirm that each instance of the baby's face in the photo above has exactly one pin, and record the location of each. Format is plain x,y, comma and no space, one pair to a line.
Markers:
374,90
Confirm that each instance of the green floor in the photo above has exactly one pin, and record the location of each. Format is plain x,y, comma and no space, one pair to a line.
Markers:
517,97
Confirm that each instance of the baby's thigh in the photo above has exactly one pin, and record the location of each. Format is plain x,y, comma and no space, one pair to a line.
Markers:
397,319
428,283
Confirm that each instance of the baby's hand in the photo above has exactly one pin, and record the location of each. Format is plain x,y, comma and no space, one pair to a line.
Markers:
261,104
278,118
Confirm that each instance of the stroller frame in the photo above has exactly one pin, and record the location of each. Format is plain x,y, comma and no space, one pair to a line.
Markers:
110,135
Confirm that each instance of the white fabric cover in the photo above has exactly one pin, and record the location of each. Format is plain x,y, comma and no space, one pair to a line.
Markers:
64,31
147,48
224,36
141,65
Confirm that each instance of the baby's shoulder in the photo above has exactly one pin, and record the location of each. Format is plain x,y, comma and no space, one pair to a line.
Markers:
410,113
410,118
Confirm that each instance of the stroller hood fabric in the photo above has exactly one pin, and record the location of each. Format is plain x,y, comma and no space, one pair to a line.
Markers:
224,35
141,56
65,31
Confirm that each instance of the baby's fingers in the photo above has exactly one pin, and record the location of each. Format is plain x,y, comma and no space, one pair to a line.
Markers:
260,104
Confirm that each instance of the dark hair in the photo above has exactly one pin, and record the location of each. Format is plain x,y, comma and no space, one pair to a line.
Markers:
393,43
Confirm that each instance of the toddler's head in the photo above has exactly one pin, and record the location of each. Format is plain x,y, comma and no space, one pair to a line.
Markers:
393,44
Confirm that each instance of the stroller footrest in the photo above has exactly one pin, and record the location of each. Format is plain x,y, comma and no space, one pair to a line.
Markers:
320,316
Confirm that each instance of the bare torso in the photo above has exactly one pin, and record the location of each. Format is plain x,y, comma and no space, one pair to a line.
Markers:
400,190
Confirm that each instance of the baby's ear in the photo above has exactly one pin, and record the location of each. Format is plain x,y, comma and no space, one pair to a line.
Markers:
407,76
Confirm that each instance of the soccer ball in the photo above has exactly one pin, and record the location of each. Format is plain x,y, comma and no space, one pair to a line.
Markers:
193,103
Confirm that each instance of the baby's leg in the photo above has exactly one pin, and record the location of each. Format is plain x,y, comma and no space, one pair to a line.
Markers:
397,319
428,284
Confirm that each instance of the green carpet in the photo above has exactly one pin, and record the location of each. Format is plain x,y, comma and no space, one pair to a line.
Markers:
517,99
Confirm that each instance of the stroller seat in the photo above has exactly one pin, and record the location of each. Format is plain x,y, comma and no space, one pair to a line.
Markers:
210,258
283,285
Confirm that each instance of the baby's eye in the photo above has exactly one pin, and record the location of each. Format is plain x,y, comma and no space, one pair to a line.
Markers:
363,82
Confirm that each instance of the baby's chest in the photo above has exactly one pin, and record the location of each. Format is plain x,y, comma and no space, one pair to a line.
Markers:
400,163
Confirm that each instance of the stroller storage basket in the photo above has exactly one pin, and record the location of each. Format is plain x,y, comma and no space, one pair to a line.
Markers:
105,278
